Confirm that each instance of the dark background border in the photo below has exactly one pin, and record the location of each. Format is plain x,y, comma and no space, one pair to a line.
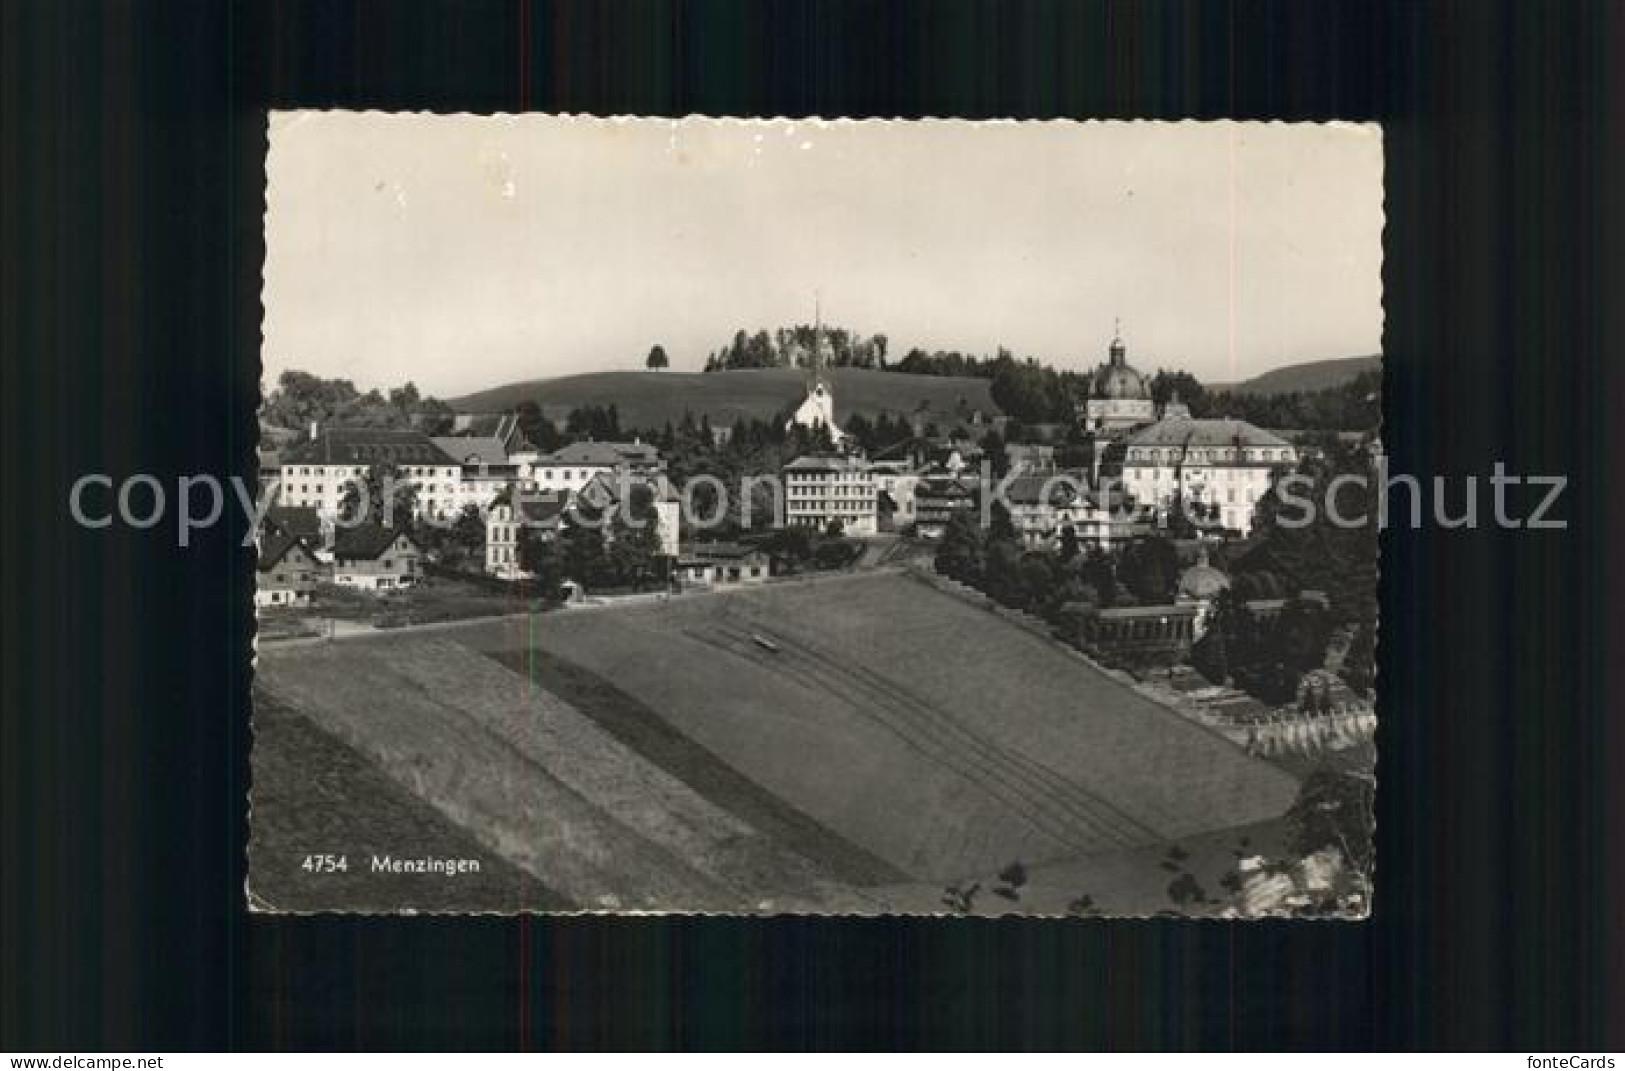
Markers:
130,201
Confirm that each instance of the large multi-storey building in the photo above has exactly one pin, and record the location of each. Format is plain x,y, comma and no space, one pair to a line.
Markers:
1227,465
570,468
486,471
316,471
820,489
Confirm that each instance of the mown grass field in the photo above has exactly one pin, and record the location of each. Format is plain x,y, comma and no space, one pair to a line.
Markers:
649,399
899,740
926,731
314,795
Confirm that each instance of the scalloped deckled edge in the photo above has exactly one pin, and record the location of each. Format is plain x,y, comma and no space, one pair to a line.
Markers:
258,907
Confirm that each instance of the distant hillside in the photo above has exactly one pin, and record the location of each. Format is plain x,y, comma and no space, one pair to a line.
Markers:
1311,375
649,399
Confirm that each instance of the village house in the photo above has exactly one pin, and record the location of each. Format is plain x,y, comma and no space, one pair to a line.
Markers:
1029,457
374,558
602,495
287,570
306,523
821,488
937,498
1040,506
723,563
895,484
570,468
506,524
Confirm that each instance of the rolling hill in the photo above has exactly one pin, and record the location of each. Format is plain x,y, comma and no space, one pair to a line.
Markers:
1308,376
649,399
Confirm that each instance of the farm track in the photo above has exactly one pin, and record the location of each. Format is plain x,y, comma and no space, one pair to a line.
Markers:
1064,811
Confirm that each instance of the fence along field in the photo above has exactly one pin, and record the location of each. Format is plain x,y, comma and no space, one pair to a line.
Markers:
900,739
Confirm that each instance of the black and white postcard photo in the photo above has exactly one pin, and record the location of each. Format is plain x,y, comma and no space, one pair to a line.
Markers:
817,517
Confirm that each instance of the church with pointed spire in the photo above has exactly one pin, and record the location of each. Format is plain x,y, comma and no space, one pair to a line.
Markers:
818,407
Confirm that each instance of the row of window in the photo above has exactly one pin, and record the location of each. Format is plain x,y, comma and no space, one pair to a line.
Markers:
361,470
1177,454
1221,474
321,489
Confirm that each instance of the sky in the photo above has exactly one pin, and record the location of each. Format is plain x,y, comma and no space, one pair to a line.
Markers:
464,252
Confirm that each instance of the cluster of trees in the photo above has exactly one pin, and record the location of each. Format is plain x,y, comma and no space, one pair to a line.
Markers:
390,498
795,550
795,347
620,550
1265,658
1032,392
1317,550
1029,391
601,422
1352,406
1292,552
300,398
879,435
993,560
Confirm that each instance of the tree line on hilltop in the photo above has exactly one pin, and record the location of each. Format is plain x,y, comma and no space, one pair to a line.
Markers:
794,347
1030,391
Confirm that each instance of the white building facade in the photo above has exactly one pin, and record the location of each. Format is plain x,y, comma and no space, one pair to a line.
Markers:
316,471
821,489
1227,465
572,467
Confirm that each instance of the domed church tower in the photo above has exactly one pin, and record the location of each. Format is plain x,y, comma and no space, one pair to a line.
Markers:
1120,397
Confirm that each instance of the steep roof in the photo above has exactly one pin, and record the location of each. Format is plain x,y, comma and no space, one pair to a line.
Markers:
1207,432
301,521
473,449
944,487
1063,488
609,454
367,541
367,446
540,511
274,545
499,426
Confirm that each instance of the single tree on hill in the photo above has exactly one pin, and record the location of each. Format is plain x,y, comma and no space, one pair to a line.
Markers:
657,358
